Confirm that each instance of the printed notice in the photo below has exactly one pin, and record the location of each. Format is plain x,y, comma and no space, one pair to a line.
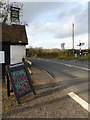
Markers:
2,57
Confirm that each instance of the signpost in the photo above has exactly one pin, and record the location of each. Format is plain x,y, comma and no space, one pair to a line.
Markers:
20,79
80,44
14,13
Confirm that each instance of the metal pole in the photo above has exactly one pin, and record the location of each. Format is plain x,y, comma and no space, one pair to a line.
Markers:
73,38
8,86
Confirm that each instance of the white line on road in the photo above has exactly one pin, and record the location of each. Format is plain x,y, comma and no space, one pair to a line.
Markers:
68,65
47,60
38,59
83,103
48,74
81,67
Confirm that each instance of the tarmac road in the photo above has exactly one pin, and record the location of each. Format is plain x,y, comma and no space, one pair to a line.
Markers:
72,75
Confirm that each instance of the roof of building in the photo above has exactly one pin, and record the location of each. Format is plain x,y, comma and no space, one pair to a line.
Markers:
14,34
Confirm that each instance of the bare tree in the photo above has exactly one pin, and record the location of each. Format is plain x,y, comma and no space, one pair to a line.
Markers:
5,9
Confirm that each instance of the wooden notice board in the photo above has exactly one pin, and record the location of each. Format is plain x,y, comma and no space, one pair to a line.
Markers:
20,80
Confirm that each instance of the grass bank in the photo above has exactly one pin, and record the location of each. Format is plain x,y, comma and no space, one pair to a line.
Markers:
72,57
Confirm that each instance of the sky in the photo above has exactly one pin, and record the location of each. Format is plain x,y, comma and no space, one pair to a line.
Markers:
50,24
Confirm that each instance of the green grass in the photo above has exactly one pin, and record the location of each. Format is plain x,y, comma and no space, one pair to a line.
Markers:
78,57
64,57
47,57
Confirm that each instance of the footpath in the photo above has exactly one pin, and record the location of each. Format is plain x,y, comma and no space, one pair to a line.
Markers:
51,100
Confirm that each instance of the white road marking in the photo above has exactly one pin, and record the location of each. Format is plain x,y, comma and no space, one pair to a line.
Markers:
83,103
68,65
81,67
48,74
47,60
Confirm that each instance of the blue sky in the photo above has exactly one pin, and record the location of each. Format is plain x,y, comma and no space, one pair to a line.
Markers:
50,23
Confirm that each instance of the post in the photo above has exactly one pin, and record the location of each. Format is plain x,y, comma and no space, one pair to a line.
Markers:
8,86
73,38
23,60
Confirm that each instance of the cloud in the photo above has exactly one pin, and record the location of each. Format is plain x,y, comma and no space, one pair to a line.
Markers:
78,12
49,1
60,29
31,10
56,43
82,22
50,22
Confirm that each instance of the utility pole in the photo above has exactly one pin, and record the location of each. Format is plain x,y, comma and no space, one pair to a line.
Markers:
73,38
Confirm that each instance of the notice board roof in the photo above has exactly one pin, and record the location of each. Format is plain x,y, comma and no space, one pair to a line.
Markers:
14,34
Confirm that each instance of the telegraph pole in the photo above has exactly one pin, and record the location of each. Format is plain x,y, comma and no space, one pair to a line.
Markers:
73,38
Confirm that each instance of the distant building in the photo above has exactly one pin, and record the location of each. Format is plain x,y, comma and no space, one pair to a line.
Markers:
14,41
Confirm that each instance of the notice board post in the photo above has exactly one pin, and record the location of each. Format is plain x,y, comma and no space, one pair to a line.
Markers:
8,86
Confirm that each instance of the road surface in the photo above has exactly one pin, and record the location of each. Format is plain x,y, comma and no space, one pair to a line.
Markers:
71,75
